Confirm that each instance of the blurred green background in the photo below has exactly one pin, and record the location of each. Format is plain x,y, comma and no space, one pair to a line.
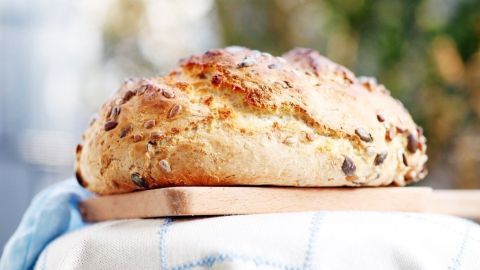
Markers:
60,60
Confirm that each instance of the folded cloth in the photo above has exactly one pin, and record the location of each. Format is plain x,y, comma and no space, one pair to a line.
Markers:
320,240
52,213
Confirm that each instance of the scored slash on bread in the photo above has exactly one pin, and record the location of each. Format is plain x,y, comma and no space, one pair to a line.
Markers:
236,116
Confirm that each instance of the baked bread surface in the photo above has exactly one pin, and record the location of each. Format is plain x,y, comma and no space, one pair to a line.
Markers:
236,116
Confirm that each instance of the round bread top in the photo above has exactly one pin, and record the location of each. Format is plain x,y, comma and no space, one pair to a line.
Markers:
236,116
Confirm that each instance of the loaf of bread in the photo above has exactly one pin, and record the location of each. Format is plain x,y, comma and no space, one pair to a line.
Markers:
236,116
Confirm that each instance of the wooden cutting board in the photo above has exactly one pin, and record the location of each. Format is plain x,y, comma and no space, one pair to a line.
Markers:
206,201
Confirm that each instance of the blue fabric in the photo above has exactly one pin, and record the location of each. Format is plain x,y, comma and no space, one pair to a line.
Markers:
52,213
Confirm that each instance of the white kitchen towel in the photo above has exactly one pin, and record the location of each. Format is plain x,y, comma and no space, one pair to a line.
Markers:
321,240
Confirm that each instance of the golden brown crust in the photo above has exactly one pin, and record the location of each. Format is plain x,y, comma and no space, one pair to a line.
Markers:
235,116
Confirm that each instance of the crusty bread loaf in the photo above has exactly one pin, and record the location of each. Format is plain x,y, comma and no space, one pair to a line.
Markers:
236,116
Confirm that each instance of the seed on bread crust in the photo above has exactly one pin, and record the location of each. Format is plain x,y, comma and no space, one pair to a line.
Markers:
128,95
412,143
348,167
290,140
380,158
79,148
247,62
380,118
137,137
125,131
115,112
364,135
165,165
404,159
149,124
288,84
80,180
390,134
139,181
174,110
274,66
110,125
151,146
167,93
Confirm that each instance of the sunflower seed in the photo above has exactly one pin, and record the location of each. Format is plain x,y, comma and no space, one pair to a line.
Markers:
390,134
265,54
412,143
138,180
380,158
380,118
165,165
137,137
151,94
80,179
125,131
247,62
79,148
368,82
128,95
174,110
274,66
348,167
288,84
364,135
149,124
167,93
151,146
115,112
118,101
404,159
212,52
110,125
143,88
